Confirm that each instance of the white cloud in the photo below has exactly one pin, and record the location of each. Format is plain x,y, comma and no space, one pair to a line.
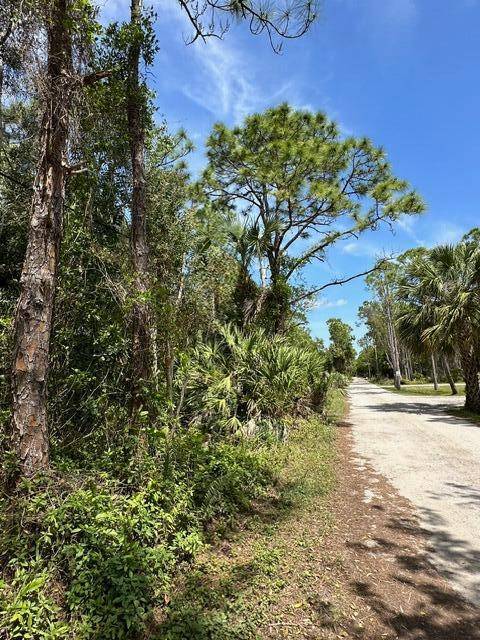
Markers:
323,303
446,233
361,248
220,86
408,224
223,84
438,231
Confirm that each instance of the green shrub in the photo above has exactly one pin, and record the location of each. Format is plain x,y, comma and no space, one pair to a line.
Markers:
248,382
107,548
88,551
28,608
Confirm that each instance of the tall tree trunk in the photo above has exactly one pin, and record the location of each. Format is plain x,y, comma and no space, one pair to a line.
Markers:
1,99
155,369
34,312
470,374
448,375
393,347
169,360
434,372
141,314
408,366
278,297
262,296
377,367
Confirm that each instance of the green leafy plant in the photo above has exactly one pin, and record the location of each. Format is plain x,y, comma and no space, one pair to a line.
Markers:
246,382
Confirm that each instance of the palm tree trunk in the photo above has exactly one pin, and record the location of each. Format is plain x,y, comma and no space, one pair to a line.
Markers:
34,312
448,375
434,372
470,374
141,316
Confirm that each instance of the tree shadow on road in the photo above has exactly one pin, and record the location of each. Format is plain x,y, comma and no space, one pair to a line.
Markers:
440,412
404,568
438,612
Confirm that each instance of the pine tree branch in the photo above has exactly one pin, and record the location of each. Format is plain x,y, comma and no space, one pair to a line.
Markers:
340,281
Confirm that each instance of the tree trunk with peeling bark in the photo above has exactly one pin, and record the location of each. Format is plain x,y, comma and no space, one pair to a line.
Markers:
393,346
141,315
34,312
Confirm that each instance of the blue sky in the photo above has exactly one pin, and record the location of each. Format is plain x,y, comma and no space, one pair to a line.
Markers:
403,72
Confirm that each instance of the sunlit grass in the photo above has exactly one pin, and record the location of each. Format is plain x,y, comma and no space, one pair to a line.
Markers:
427,390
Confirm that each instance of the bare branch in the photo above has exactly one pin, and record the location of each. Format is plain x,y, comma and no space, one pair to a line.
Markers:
283,20
340,282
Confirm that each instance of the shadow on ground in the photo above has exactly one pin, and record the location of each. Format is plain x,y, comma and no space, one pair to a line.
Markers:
227,594
438,413
440,613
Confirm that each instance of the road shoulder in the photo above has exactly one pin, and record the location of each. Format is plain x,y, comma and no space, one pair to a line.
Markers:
393,588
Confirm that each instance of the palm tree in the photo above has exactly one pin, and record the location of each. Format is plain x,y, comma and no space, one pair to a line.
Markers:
412,334
441,289
248,242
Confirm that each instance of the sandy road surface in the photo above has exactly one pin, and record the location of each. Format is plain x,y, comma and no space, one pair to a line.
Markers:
432,459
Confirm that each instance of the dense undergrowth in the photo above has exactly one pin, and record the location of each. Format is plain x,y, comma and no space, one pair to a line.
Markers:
91,557
89,549
89,554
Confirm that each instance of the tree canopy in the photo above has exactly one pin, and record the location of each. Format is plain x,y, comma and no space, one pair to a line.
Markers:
303,186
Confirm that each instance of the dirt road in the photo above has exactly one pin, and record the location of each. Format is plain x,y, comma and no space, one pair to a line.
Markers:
433,460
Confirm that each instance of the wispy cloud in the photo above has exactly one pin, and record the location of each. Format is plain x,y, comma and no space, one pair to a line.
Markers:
446,233
323,303
408,224
224,83
362,248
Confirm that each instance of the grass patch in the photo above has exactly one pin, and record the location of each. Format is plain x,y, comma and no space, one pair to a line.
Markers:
246,582
427,390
